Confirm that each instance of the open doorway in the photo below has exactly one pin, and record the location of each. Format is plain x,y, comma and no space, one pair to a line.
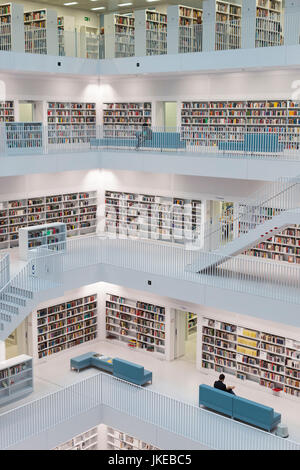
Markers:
221,226
17,341
30,111
185,344
166,115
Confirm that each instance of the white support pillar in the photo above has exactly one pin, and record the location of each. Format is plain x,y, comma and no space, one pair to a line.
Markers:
109,32
17,28
2,351
173,29
51,32
248,24
140,33
291,22
209,25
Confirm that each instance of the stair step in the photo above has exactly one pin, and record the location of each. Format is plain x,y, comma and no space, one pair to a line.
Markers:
20,292
5,317
13,299
9,307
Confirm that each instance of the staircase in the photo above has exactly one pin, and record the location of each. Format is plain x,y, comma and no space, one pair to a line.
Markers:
256,222
19,296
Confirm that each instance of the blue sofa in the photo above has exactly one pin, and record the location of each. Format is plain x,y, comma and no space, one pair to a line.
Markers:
248,411
254,143
161,140
120,368
131,372
92,359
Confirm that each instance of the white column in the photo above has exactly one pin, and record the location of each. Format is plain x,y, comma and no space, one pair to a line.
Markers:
140,33
17,28
173,29
248,24
52,34
291,22
109,33
69,36
169,334
2,351
209,25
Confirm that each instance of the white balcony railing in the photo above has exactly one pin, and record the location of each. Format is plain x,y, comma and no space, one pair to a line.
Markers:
238,273
183,419
241,142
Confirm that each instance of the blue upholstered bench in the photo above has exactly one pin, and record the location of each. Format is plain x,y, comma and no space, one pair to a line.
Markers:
248,411
266,143
120,368
162,140
92,359
131,372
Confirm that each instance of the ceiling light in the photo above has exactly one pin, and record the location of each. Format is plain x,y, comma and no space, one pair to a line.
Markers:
98,8
152,1
124,4
70,3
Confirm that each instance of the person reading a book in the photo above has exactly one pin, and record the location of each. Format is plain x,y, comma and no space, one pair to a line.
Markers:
219,384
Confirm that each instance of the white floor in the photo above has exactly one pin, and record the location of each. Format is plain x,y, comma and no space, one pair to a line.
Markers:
179,379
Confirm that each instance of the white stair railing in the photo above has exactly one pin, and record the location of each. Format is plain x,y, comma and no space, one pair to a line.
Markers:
283,195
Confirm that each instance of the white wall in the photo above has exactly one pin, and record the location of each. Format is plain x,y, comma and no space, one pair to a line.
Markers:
179,185
20,187
272,84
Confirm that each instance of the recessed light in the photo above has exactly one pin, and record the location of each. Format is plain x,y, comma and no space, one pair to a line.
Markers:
124,4
98,8
70,3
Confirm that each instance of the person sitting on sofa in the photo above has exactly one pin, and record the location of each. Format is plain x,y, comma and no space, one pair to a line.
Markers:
219,384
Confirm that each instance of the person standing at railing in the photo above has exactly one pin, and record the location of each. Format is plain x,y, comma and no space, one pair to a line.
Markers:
145,134
219,384
198,35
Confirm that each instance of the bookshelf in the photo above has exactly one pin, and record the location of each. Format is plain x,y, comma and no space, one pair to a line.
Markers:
156,33
7,111
66,36
71,123
41,32
11,27
156,217
117,440
125,119
184,29
284,246
89,42
66,325
16,378
191,324
31,238
86,441
268,23
150,32
188,19
137,324
77,210
205,123
268,359
120,33
228,24
27,136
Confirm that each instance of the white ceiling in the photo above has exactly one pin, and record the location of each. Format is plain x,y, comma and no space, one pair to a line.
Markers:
112,5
